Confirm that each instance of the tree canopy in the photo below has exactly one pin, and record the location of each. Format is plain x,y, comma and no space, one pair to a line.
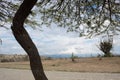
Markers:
7,10
88,17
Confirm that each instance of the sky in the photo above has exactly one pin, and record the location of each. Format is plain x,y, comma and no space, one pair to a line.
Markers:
55,41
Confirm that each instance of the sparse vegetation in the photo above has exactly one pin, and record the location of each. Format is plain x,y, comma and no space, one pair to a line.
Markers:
48,58
13,58
109,65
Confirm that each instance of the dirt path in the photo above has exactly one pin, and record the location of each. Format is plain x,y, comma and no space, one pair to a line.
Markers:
15,74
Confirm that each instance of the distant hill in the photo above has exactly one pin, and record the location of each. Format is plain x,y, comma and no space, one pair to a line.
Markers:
69,55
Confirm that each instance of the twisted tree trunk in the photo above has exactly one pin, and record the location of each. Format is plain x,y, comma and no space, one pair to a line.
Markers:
25,41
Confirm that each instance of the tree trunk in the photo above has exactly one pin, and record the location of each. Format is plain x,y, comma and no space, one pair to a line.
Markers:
25,41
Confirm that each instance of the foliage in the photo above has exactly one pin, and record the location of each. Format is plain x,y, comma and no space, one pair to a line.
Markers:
106,46
7,11
87,17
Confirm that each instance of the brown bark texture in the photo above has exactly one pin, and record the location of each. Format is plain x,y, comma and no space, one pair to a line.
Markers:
24,39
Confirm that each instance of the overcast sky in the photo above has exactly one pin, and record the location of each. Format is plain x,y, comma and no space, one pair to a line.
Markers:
54,40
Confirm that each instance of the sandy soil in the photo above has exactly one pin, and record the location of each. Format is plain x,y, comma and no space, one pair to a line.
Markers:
16,74
106,65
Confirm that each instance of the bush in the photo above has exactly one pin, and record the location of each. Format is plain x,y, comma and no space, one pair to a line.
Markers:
48,58
7,60
73,57
106,46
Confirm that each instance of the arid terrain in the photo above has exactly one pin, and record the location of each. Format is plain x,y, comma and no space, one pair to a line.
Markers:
106,65
65,69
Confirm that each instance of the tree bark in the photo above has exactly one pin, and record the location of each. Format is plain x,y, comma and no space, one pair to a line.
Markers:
25,41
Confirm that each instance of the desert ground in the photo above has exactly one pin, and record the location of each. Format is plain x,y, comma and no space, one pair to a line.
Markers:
106,65
65,69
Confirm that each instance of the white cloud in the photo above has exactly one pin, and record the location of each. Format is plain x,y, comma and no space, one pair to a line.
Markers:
52,40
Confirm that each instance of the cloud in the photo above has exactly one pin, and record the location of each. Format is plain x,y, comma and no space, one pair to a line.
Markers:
53,40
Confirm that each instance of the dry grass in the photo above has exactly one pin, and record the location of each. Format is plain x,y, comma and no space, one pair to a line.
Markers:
111,64
15,65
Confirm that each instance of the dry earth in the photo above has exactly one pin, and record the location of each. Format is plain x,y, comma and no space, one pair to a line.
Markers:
106,65
16,74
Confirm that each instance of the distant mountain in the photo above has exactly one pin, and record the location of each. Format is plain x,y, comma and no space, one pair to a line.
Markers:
57,56
69,55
